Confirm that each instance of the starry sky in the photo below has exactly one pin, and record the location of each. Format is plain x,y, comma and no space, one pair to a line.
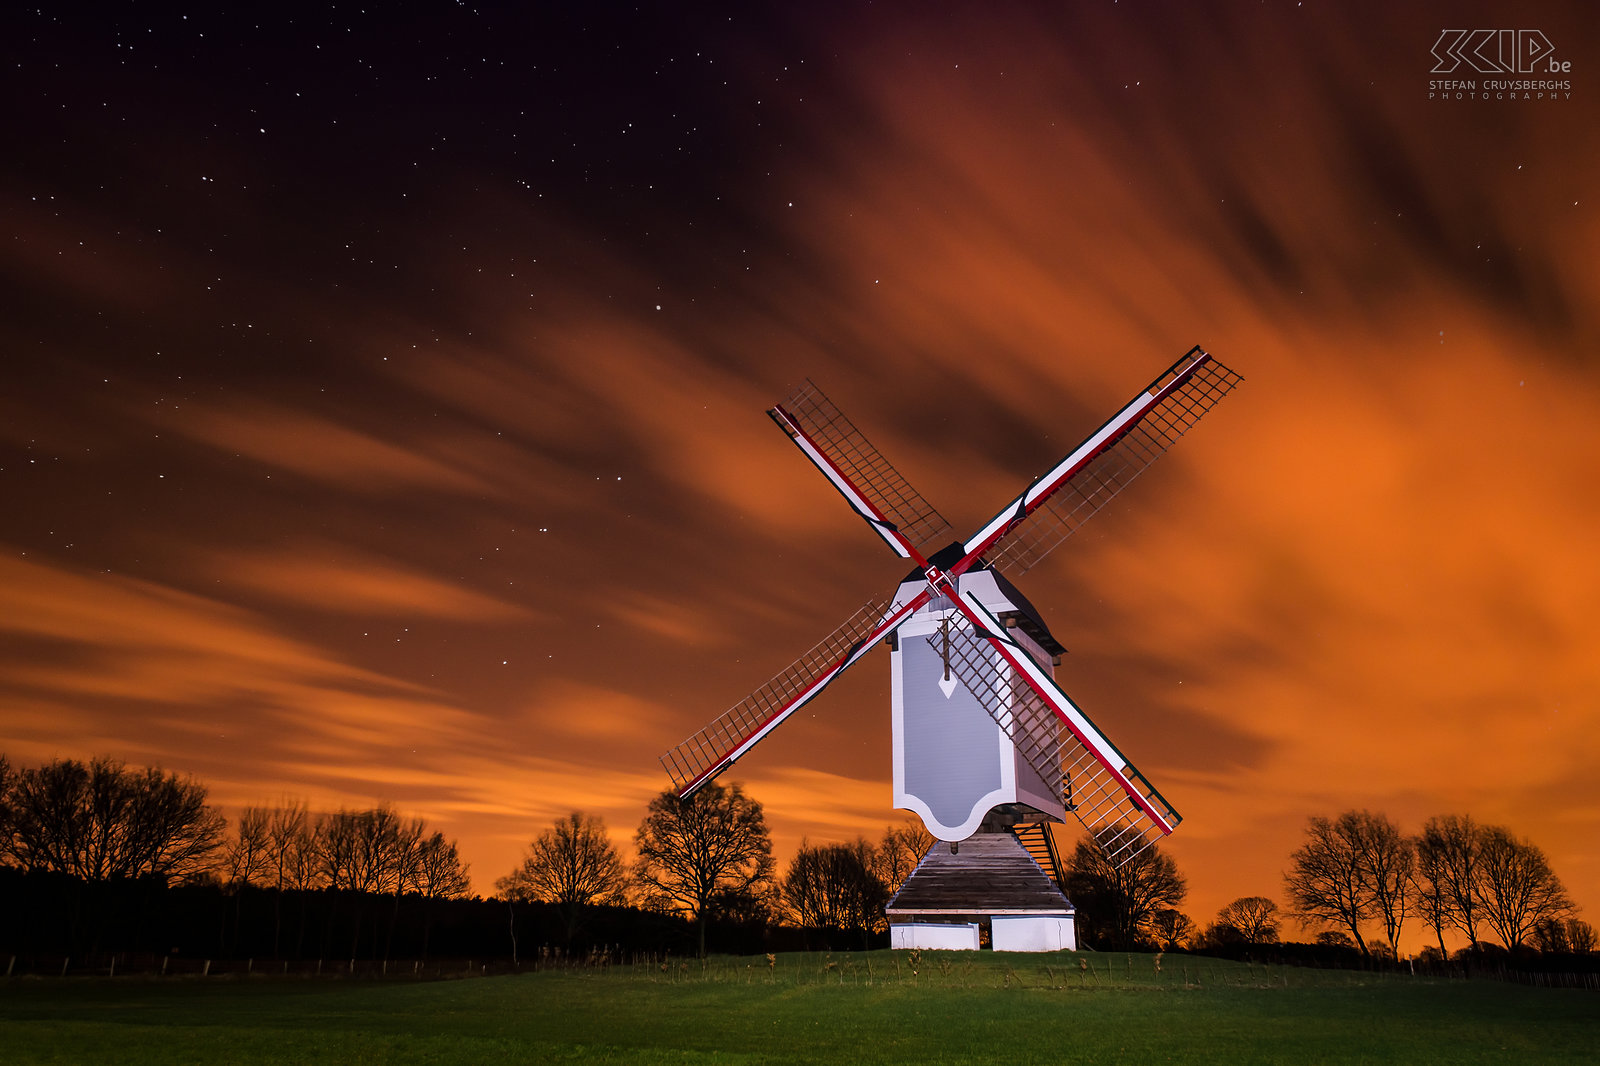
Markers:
381,402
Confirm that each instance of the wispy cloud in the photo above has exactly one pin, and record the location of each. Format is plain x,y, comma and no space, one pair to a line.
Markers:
322,449
331,578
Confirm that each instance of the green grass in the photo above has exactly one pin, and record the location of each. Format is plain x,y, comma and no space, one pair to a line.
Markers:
861,1008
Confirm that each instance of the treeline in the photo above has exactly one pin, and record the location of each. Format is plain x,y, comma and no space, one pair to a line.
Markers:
1360,877
1355,885
709,861
97,857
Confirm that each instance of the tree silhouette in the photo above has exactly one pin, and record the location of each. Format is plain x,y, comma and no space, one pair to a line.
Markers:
101,821
1118,902
291,855
833,886
898,853
1390,863
5,803
365,853
1351,870
1253,918
1450,876
1519,888
1562,935
1171,928
690,850
247,857
573,864
244,859
437,874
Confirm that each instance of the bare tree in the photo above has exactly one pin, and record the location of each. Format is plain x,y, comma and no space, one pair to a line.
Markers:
1389,861
335,850
304,858
1519,888
364,853
1352,870
171,829
1172,928
1568,934
380,846
573,864
393,844
102,821
439,872
690,850
247,857
1254,918
833,886
288,841
1218,935
1324,881
1450,876
5,806
290,860
341,867
1564,935
759,904
898,853
244,860
1433,896
1118,902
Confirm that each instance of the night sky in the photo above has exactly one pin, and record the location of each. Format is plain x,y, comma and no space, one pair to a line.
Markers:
382,391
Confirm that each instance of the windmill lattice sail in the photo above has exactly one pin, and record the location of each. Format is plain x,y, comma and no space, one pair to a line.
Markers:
1105,799
874,488
1108,471
731,733
1049,735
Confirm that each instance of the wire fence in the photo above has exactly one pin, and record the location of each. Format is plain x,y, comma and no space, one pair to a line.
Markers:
150,965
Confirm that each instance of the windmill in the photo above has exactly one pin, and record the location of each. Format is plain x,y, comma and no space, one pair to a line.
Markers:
980,726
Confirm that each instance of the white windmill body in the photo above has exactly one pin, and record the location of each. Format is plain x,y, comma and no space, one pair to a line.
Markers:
953,761
987,747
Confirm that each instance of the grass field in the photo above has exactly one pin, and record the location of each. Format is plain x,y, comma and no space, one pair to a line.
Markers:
863,1008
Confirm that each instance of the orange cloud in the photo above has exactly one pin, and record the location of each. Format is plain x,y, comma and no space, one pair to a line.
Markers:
324,450
332,579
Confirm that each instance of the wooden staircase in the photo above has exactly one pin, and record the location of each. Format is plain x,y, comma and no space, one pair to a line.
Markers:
1040,844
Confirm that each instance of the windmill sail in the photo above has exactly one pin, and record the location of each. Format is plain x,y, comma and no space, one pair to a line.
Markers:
1047,731
1103,465
1101,788
874,489
741,727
